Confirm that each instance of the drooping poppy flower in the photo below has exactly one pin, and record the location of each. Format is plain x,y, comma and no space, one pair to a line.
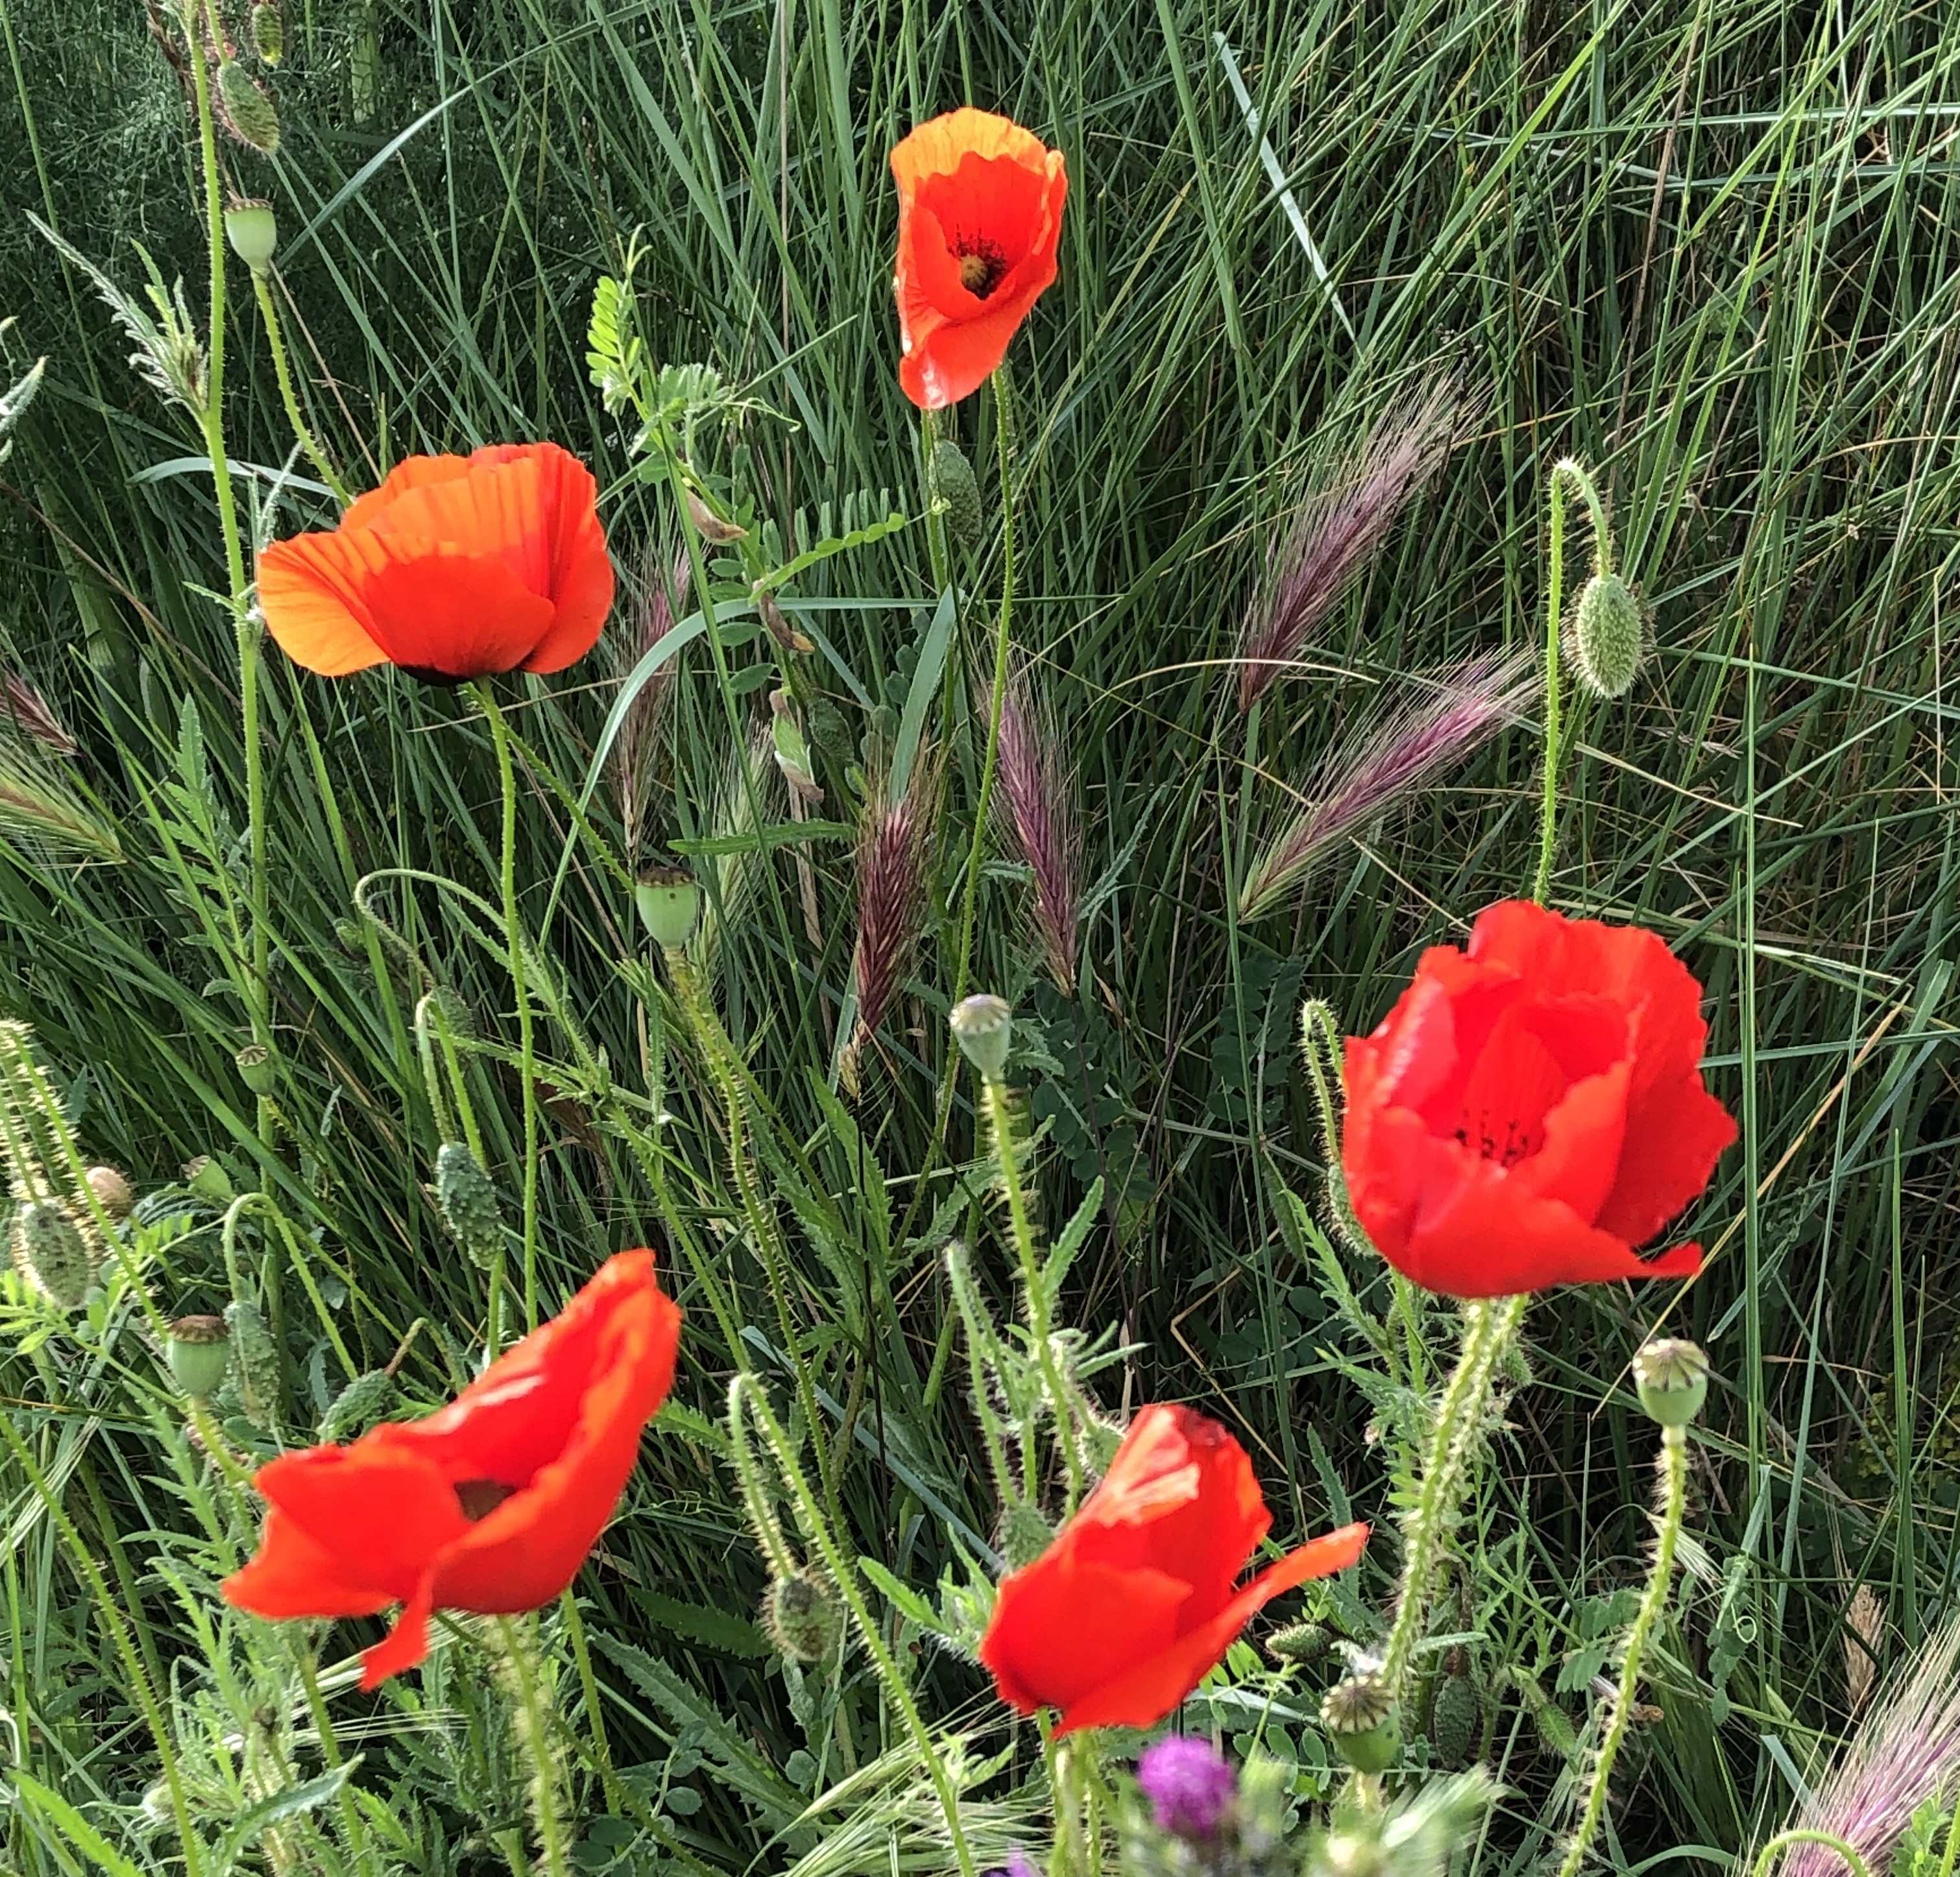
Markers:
1133,1605
489,1505
979,220
455,568
1532,1108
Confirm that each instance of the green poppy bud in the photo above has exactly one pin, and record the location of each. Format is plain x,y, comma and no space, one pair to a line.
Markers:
249,114
367,1399
269,32
984,1028
198,1351
669,903
113,1191
468,1203
50,1253
258,1368
802,1618
949,478
253,231
1024,1535
1671,1378
255,1068
1609,636
1362,1723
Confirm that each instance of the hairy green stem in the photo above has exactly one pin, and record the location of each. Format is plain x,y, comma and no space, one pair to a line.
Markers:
534,1731
275,340
1489,1325
980,1346
1653,1605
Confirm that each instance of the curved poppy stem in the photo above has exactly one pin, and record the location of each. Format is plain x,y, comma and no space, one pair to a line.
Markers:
745,1392
533,1720
1489,1325
1653,1605
276,342
514,939
1808,1834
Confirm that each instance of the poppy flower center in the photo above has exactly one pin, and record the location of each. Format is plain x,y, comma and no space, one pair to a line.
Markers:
479,1498
1505,1139
981,268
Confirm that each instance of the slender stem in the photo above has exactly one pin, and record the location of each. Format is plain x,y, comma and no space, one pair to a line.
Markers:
1653,1605
768,1529
1809,1834
588,1684
1000,1118
745,1391
1488,1327
1547,835
534,1730
980,1350
275,338
976,854
514,939
1320,1035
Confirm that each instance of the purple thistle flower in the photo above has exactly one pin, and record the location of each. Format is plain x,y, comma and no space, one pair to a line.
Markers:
1340,528
1190,1785
1403,750
893,842
1038,799
1019,1864
1907,1752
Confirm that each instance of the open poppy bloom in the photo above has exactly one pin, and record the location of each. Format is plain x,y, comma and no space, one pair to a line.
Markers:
490,1504
1133,1605
455,568
1532,1108
979,219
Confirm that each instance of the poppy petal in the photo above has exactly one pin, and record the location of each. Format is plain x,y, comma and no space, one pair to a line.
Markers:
937,148
311,590
1145,1693
291,1575
584,597
1671,1149
411,473
406,1645
458,616
1062,1628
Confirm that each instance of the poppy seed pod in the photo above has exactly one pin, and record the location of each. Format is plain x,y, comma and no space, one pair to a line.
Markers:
802,1618
367,1399
253,231
255,1068
1671,1377
208,1180
113,1191
198,1351
468,1203
984,1028
1362,1723
249,114
949,478
669,903
1609,636
50,1253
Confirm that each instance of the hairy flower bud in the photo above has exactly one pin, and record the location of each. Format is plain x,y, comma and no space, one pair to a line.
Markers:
1608,635
253,231
198,1351
258,1369
269,32
249,114
984,1028
1456,1721
1671,1377
669,902
468,1203
1362,1723
113,1191
950,478
1301,1643
1024,1535
1190,1787
50,1253
367,1399
802,1618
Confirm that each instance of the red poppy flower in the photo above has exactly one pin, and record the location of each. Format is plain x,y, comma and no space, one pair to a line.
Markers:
455,568
979,218
491,1504
1132,1605
1532,1108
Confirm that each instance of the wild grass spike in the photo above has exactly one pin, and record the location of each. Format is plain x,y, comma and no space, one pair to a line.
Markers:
894,844
1039,816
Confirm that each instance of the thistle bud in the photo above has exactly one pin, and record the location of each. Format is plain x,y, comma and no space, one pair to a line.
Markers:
269,32
802,1618
113,1191
367,1399
1362,1723
255,1068
1024,1535
208,1180
50,1253
468,1203
950,478
253,231
198,1351
258,1369
984,1028
1671,1378
669,903
1608,635
711,526
1302,1644
249,114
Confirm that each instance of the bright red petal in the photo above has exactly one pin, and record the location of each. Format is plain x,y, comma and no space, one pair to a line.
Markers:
312,590
405,1646
291,1575
1672,1147
1062,1629
454,615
